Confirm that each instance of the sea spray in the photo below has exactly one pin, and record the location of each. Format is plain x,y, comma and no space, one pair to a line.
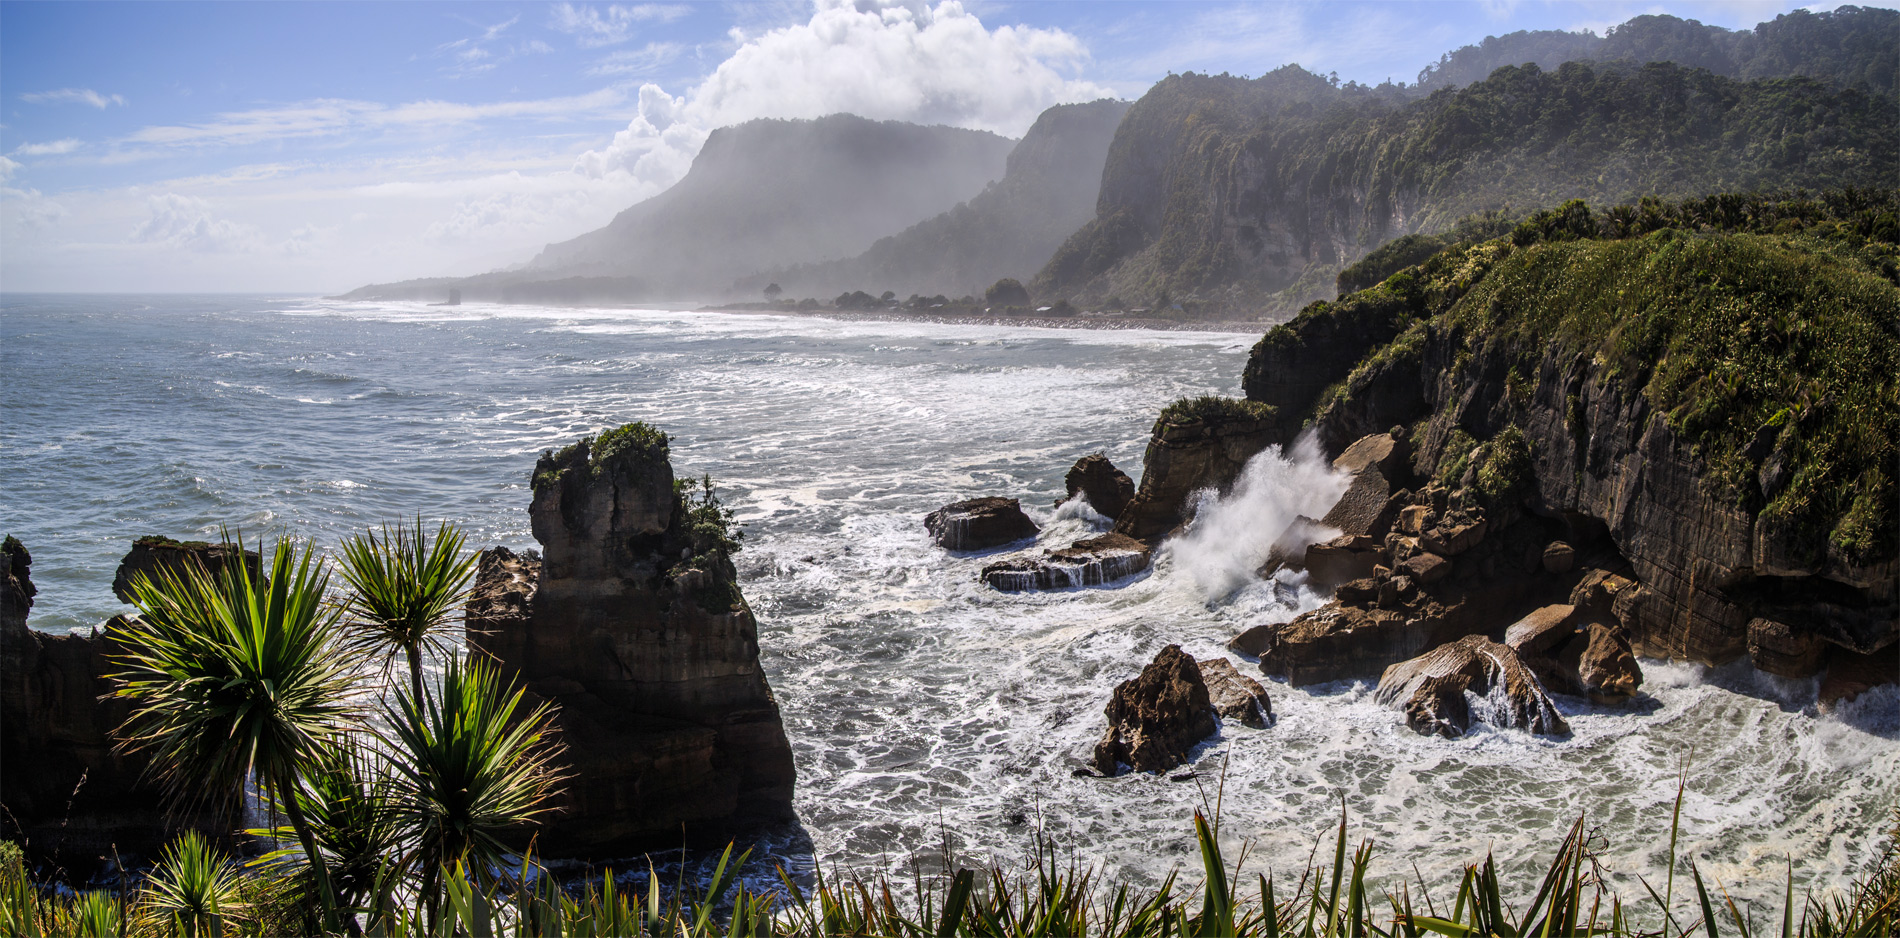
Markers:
1233,534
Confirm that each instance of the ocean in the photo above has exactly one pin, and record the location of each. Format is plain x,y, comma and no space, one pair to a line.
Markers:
925,709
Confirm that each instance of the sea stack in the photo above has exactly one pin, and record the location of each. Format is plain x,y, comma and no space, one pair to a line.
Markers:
634,626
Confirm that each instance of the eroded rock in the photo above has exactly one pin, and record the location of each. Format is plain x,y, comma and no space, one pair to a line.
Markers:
1157,717
1107,489
634,625
1571,653
1184,457
155,556
1094,561
1234,695
1431,690
980,524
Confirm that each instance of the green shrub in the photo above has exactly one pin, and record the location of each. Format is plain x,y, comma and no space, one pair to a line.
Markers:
1210,407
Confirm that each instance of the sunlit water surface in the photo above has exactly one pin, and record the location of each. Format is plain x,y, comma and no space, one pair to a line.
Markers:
923,707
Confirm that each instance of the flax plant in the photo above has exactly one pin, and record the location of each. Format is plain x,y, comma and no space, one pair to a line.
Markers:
353,803
193,890
472,763
233,674
404,588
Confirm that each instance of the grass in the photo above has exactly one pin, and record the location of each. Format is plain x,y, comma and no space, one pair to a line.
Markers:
1335,896
1210,407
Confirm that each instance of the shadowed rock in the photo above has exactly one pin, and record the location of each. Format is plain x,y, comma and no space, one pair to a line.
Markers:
1572,654
979,524
1188,453
632,622
1154,719
1107,489
155,556
1094,561
1431,689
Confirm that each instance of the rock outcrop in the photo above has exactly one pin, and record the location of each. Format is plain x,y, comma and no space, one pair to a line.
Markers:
1234,695
1190,451
65,790
1093,561
979,524
1431,690
1157,717
1107,489
153,556
634,625
1573,654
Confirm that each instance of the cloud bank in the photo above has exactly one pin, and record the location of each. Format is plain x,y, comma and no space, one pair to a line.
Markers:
885,61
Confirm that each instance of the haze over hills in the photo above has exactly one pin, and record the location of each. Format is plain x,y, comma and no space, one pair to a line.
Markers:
1243,194
1008,230
761,194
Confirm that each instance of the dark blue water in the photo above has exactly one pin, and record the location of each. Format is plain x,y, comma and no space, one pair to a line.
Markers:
920,703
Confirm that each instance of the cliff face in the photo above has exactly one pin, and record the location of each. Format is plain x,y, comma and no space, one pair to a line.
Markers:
1250,194
65,790
633,624
1720,406
1010,229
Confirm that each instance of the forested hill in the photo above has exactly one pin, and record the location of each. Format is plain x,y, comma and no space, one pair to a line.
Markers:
1854,47
775,192
1250,195
1008,230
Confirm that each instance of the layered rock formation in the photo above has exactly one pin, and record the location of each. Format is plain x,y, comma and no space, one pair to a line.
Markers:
155,556
1092,561
634,625
1107,489
1195,445
979,524
1695,519
1431,689
66,791
1157,717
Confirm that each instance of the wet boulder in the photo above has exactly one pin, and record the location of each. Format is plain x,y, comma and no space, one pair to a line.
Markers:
155,556
1107,489
1093,561
1335,642
1343,559
1474,678
1377,463
1157,717
979,524
1235,696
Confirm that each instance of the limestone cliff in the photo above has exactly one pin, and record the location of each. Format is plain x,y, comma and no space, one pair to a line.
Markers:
1231,194
632,622
1708,387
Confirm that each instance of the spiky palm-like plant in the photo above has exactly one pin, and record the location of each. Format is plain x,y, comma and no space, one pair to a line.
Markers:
352,802
193,889
473,764
235,673
404,587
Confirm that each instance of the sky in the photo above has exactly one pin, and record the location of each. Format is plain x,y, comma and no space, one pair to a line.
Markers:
315,147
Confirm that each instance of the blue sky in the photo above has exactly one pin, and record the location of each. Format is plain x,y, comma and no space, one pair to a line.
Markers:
313,147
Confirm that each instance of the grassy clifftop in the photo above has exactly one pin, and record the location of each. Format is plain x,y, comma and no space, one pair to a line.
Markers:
1765,330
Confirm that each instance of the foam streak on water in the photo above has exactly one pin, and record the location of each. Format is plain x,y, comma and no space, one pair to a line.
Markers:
912,692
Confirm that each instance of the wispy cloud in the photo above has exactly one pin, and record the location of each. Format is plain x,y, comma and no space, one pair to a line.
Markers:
327,116
593,27
73,96
641,61
473,55
53,148
186,223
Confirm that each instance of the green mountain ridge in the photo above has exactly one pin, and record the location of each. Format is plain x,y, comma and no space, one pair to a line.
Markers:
1249,195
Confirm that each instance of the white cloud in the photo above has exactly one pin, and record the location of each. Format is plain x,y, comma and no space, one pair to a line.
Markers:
73,96
53,148
641,61
27,208
881,60
592,28
7,168
186,223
